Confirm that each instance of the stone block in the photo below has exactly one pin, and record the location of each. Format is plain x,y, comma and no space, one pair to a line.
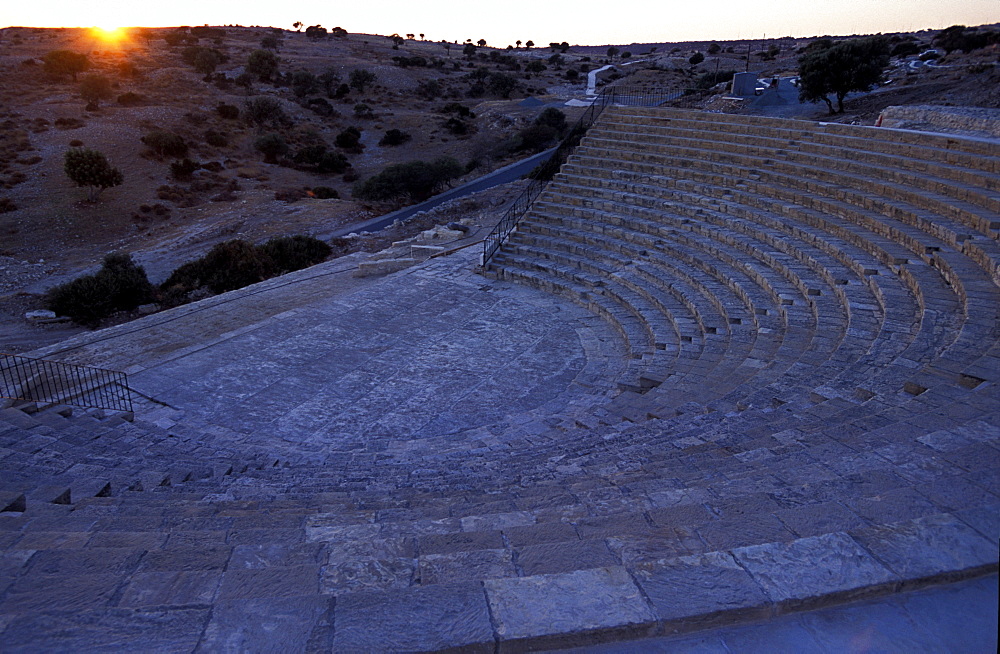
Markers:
567,609
448,617
937,547
816,570
548,558
273,624
693,592
270,582
465,566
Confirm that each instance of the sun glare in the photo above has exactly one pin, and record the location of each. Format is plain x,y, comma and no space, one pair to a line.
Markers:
109,32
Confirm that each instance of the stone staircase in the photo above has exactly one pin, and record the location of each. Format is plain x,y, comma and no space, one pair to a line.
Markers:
807,413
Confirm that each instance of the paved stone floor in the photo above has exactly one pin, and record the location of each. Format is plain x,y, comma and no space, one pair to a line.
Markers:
347,364
959,617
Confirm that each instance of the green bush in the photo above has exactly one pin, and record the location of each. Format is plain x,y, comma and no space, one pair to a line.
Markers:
165,144
349,139
325,193
227,266
272,146
217,139
264,110
415,181
234,264
183,170
394,137
120,285
289,253
228,111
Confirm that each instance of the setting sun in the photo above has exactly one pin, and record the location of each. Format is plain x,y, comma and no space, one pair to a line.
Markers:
109,32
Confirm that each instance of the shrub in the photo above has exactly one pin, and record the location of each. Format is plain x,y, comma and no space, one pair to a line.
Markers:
325,193
289,253
120,285
416,180
349,139
553,118
165,144
708,80
217,139
456,126
202,59
263,110
459,109
94,88
227,266
272,146
429,89
303,83
534,66
361,79
227,111
320,106
535,138
65,62
130,99
182,170
394,137
262,64
90,168
696,59
361,110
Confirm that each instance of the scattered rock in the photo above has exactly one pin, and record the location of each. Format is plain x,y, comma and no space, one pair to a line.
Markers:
39,314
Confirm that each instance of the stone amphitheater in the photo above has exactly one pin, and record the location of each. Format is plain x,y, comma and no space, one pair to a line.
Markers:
726,368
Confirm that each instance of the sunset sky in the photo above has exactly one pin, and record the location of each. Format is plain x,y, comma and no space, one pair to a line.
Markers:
583,22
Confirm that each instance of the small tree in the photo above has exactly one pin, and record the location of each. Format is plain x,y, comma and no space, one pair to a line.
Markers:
361,78
94,88
263,110
529,44
297,25
90,168
65,62
263,64
840,68
272,146
612,52
482,43
469,50
696,59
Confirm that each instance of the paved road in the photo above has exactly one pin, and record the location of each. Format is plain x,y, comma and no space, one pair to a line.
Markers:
496,178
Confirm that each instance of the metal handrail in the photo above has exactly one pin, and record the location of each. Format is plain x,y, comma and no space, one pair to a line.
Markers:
55,382
626,96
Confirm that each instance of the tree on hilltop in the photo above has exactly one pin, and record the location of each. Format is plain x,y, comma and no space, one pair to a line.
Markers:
297,25
90,168
65,62
840,68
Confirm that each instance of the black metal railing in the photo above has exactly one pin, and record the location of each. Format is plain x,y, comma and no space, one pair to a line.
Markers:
627,96
54,382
